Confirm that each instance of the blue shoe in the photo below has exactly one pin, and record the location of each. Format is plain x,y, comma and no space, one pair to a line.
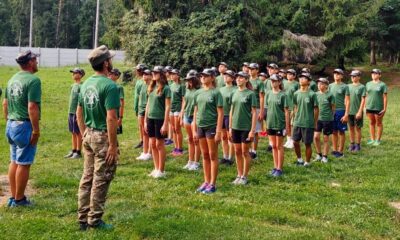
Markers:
202,187
10,201
168,141
278,173
334,153
210,189
339,155
21,203
102,226
273,171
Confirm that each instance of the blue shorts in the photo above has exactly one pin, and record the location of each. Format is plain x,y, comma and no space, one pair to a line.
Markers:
73,124
187,120
19,134
337,124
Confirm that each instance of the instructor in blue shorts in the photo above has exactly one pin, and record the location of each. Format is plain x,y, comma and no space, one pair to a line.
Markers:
21,107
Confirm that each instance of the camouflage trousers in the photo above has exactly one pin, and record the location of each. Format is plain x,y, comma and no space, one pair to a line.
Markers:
96,177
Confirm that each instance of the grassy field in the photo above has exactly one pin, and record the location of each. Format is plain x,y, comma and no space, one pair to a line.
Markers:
345,199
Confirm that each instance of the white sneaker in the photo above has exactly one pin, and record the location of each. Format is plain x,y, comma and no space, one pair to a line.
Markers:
153,173
236,181
290,144
243,181
324,160
160,174
194,166
286,143
187,166
317,158
146,157
141,156
307,164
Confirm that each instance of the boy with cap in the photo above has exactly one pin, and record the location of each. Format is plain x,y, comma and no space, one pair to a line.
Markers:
168,140
357,103
114,75
245,67
21,107
313,84
77,75
272,69
306,114
258,88
222,68
139,81
263,77
326,105
341,93
97,115
290,85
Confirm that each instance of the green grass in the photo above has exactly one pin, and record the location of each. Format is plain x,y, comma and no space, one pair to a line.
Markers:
301,205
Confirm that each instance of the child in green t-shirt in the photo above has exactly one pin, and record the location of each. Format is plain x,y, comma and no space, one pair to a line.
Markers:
357,104
326,105
376,106
114,75
142,102
77,75
177,93
306,115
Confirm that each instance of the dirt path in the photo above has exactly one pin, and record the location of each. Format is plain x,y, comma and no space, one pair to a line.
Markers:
5,190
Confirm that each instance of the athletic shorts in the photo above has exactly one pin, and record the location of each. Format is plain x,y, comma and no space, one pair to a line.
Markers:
225,123
326,127
141,114
304,134
376,112
206,132
258,123
356,122
291,117
187,120
240,136
279,133
174,114
73,124
154,128
19,134
337,124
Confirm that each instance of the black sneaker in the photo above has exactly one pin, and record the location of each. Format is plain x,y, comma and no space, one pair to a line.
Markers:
253,155
139,145
102,226
222,161
299,163
269,148
83,226
229,162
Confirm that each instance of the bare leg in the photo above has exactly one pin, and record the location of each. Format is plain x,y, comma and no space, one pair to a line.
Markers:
297,149
161,154
317,141
342,141
225,143
281,155
178,132
335,141
12,170
272,140
358,135
379,124
308,152
239,158
372,123
326,145
22,176
213,151
153,147
206,160
246,158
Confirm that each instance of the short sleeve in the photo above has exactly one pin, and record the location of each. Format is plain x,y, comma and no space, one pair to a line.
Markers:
5,93
295,98
384,88
253,100
315,100
183,90
35,91
80,99
121,92
285,100
112,98
333,101
261,87
219,99
347,91
167,92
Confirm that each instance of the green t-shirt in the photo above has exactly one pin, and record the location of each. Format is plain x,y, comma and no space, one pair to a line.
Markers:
136,93
220,81
325,102
375,93
73,97
290,88
305,102
313,86
267,86
276,103
98,94
242,104
22,88
339,91
177,93
142,99
207,102
157,103
357,92
226,93
121,91
258,87
189,102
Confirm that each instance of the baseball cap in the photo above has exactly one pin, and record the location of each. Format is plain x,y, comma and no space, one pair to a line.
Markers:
306,75
275,77
245,64
207,72
263,74
273,65
99,55
338,70
78,70
141,67
323,80
355,73
377,71
158,69
254,66
147,72
25,57
223,63
175,71
230,73
292,71
242,74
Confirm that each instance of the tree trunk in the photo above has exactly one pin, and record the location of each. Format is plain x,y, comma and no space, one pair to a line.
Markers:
60,3
372,60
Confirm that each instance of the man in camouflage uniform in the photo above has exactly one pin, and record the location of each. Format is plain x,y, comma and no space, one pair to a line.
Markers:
97,116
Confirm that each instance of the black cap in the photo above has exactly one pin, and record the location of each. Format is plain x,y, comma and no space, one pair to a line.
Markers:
147,72
263,74
158,69
141,67
246,64
215,70
207,72
168,69
275,77
175,71
25,57
242,74
115,71
355,73
323,80
273,65
305,70
292,71
377,71
306,75
282,70
338,70
230,73
193,72
254,66
78,70
223,63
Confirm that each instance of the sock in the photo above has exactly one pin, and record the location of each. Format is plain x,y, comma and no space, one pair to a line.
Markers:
254,151
22,199
320,154
226,156
325,156
78,152
73,150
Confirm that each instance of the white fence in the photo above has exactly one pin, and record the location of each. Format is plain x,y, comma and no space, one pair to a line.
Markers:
52,57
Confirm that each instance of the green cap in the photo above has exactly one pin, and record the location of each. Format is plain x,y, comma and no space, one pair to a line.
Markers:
99,55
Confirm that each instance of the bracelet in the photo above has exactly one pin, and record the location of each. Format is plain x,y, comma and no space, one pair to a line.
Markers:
35,133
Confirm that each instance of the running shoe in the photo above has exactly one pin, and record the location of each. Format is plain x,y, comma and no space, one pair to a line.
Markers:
376,143
370,142
209,189
139,145
236,181
278,173
202,187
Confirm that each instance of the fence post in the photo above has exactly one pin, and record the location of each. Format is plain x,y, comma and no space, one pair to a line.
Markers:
77,56
58,56
40,56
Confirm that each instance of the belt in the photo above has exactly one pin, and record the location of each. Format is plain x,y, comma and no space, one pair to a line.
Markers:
20,120
97,130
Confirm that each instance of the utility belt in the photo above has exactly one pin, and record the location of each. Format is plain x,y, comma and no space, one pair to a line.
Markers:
96,130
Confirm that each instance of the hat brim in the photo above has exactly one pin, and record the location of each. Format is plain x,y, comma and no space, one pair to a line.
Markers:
305,76
341,73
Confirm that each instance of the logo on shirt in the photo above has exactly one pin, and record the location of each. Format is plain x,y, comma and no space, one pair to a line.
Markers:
340,91
307,100
15,89
210,99
378,88
91,97
243,100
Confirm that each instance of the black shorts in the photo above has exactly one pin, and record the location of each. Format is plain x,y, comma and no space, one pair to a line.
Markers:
240,136
355,122
376,112
73,124
206,132
279,133
225,123
119,130
153,128
326,127
304,134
